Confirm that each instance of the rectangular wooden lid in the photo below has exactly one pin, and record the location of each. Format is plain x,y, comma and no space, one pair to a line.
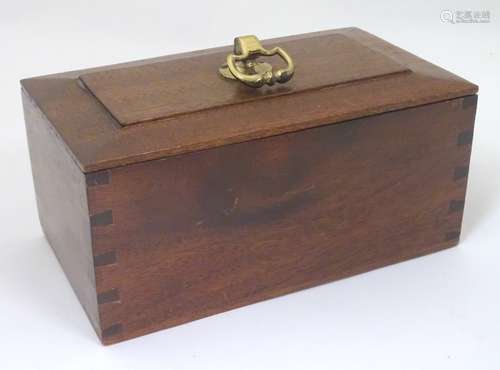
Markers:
166,89
123,114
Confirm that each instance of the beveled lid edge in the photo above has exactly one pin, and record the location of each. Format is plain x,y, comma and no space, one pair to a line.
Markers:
111,150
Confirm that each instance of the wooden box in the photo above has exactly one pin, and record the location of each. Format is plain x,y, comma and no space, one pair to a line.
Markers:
169,193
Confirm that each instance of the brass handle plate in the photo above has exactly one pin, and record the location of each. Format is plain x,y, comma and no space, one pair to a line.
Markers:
242,65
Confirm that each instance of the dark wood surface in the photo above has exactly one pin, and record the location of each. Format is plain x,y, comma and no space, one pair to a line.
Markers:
185,85
184,237
97,141
227,201
61,195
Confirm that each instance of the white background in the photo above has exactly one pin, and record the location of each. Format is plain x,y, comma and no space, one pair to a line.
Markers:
436,312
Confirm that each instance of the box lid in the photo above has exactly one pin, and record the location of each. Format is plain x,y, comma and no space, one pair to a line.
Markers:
133,112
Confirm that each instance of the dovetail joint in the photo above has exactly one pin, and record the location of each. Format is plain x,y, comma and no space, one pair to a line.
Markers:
456,206
97,178
452,235
112,330
104,259
465,138
460,172
110,296
468,102
102,219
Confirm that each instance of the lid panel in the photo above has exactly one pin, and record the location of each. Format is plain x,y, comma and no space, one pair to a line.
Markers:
97,141
165,89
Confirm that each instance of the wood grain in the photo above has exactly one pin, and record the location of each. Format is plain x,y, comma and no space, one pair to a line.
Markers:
97,141
205,232
243,195
61,195
162,90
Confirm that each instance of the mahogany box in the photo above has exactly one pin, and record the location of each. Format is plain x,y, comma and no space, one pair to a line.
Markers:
169,193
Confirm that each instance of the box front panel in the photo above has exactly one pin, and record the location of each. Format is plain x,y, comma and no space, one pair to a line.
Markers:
197,234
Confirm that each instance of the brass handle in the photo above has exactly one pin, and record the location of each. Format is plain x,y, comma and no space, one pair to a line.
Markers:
243,65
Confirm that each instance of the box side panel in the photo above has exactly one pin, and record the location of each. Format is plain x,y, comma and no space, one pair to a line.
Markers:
62,206
197,234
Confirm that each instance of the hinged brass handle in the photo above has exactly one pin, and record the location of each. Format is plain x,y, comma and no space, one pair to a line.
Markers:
243,65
